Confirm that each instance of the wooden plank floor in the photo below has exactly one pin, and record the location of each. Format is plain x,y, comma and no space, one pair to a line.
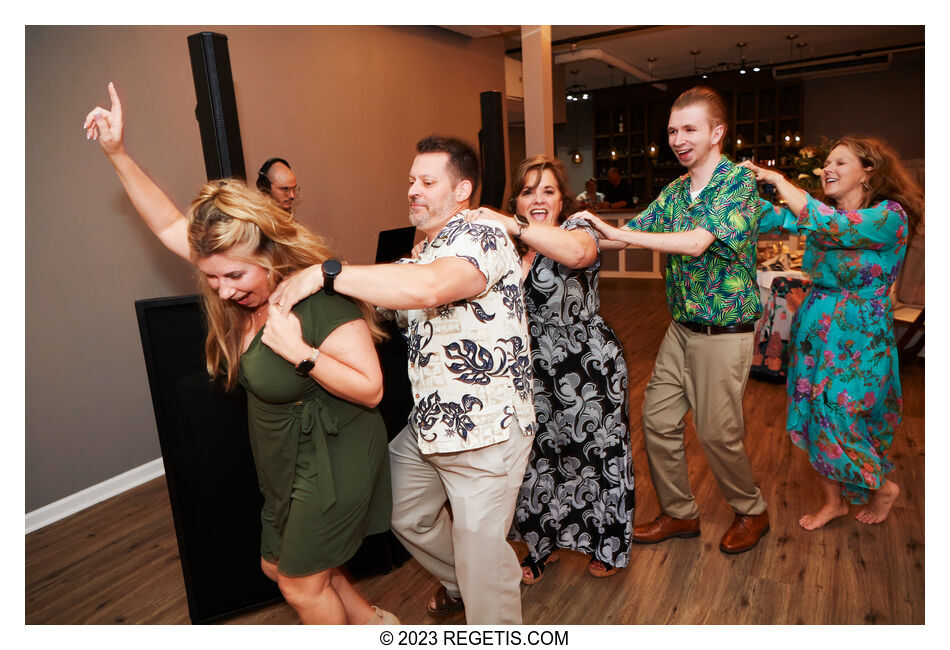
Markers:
117,562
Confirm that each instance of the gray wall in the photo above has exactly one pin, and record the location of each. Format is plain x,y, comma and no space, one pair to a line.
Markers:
887,104
344,105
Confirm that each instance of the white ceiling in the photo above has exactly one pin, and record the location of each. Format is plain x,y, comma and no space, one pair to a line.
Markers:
671,45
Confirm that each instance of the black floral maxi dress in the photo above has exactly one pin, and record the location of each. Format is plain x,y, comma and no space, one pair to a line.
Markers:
578,487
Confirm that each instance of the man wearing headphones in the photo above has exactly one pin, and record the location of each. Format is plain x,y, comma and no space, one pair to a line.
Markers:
277,181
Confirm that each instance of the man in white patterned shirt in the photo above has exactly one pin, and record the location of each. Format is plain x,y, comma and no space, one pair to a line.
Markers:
470,431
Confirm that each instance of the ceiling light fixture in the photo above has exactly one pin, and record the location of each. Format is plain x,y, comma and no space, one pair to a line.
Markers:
575,154
577,92
742,66
791,39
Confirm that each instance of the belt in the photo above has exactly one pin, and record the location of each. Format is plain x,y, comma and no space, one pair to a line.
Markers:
700,328
878,292
318,421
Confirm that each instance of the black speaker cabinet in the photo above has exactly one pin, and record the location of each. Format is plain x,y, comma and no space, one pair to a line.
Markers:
491,142
209,469
212,483
216,108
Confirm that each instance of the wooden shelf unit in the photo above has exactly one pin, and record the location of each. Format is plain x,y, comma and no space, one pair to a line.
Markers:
764,117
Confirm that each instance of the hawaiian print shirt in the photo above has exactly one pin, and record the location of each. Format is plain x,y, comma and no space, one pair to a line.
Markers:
719,286
470,361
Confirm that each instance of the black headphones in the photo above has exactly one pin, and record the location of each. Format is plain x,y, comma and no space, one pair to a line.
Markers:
263,183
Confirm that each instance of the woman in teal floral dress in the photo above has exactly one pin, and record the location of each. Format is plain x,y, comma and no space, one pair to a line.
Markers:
844,394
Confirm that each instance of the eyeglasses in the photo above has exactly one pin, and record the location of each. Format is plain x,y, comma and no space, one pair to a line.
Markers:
295,189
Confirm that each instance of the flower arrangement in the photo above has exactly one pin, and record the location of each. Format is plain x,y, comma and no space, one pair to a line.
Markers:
806,172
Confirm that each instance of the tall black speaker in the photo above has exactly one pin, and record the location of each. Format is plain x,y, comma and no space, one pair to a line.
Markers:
216,108
209,469
491,142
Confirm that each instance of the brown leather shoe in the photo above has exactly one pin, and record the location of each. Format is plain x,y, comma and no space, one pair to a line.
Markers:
442,604
664,527
744,533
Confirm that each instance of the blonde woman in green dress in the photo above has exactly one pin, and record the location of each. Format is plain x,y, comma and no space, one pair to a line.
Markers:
312,377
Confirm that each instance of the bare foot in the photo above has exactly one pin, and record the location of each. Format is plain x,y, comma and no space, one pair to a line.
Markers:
880,506
829,511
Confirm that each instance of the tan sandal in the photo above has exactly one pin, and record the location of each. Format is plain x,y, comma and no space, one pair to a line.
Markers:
444,604
600,569
537,568
382,617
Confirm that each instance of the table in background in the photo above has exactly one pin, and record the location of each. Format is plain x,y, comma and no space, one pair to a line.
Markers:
630,262
782,293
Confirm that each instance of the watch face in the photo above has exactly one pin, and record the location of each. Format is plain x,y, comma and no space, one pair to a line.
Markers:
332,268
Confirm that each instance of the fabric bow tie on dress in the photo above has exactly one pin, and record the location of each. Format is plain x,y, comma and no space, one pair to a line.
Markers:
319,422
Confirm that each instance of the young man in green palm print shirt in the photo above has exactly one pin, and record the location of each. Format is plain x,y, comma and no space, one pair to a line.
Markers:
707,223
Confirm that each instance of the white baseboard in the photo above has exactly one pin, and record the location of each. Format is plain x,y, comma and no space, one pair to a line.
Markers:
109,488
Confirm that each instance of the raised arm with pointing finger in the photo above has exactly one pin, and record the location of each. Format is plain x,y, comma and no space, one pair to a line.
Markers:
312,379
159,213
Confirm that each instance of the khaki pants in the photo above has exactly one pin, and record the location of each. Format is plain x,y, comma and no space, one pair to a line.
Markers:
466,551
705,373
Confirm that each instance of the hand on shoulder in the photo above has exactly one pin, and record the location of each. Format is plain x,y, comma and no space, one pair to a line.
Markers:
487,215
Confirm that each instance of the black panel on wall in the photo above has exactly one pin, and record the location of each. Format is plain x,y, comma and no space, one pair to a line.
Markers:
491,142
216,108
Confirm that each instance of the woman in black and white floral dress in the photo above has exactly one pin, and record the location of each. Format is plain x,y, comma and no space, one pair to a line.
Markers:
578,488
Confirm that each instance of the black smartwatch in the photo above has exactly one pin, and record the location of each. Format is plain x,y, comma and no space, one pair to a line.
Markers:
331,269
522,222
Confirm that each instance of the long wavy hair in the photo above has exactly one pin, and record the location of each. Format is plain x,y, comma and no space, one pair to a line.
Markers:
888,179
228,218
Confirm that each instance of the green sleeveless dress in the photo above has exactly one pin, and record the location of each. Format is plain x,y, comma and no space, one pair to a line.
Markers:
322,462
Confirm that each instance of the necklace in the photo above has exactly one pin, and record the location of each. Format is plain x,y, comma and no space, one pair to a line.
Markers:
259,313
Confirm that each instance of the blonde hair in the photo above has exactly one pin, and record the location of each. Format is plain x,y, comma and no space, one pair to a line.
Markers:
888,178
228,218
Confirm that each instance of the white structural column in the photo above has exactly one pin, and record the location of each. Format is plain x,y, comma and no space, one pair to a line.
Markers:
536,77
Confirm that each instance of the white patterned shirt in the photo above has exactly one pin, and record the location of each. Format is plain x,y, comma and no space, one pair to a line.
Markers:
470,361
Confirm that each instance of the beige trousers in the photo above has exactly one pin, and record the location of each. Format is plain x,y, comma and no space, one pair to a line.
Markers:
708,374
467,550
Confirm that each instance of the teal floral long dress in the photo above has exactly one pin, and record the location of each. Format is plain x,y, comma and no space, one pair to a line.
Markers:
844,393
